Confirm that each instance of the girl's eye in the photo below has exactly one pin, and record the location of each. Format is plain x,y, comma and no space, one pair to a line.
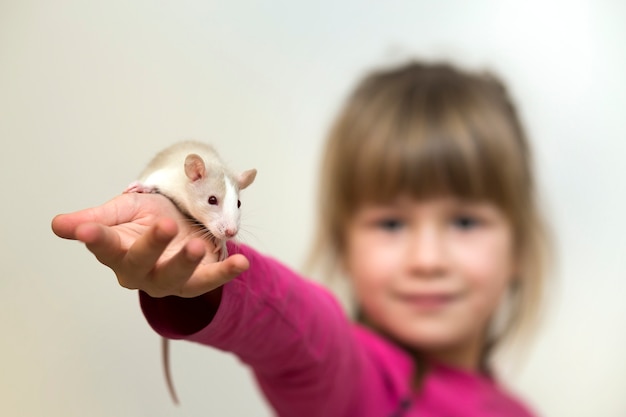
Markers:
390,224
213,200
238,203
464,222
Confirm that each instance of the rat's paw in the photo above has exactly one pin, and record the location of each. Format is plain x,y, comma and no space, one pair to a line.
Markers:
137,187
221,250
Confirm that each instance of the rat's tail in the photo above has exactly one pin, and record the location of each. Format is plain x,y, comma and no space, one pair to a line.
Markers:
165,352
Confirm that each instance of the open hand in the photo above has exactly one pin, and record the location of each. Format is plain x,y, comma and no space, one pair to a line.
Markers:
150,246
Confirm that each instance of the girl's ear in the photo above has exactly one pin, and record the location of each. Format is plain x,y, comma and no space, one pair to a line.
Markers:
194,167
246,178
517,271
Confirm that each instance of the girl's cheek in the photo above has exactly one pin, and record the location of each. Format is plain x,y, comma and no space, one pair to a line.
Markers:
484,257
371,260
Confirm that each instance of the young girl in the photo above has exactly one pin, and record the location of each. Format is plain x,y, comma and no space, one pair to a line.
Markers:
427,205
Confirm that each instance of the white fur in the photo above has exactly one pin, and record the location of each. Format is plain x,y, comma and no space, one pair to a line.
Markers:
230,211
166,173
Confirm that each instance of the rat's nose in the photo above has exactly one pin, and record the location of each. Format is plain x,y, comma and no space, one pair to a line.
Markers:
230,232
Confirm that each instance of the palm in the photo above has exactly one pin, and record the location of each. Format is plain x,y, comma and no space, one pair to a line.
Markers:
135,220
149,245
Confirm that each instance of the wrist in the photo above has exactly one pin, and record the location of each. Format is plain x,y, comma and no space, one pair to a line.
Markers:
176,317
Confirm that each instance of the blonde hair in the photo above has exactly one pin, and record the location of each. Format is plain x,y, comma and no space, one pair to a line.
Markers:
426,130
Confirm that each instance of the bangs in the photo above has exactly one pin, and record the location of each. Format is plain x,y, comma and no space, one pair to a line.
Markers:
433,166
429,145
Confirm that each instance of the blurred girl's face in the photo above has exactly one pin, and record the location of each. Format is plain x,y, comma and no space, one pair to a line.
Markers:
431,273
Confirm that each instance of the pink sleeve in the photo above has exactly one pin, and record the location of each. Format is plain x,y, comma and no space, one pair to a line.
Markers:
292,332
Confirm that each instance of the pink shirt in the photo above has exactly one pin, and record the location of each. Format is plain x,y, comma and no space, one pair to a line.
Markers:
311,360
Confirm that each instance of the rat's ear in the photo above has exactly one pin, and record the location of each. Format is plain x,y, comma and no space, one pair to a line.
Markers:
245,178
194,167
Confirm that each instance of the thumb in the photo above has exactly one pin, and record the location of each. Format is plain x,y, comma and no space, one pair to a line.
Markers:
208,277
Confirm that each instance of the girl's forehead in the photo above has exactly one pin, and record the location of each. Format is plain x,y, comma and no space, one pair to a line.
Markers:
442,201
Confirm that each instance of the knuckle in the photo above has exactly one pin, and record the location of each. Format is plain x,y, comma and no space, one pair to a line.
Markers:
133,262
126,282
156,293
163,288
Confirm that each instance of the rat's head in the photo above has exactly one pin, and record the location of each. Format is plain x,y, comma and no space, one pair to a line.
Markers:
215,202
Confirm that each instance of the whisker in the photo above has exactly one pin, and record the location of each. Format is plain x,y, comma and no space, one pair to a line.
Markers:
199,230
244,236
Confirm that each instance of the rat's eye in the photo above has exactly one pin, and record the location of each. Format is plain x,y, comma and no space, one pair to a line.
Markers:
213,200
238,203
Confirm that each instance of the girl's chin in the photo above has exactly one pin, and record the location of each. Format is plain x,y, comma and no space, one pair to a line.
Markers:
427,339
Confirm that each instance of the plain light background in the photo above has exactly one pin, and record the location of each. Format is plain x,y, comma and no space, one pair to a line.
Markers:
89,91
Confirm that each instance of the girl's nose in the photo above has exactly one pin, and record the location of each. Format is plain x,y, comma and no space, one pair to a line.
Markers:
426,254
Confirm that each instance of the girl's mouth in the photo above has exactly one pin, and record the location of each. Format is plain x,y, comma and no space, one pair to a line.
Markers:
428,302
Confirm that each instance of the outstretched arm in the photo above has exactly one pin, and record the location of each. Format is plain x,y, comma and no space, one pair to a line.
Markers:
150,246
292,332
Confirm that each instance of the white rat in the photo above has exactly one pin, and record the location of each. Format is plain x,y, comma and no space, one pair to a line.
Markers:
192,175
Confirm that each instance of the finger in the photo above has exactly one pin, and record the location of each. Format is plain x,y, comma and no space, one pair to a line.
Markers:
208,277
170,277
64,225
143,255
103,242
118,210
